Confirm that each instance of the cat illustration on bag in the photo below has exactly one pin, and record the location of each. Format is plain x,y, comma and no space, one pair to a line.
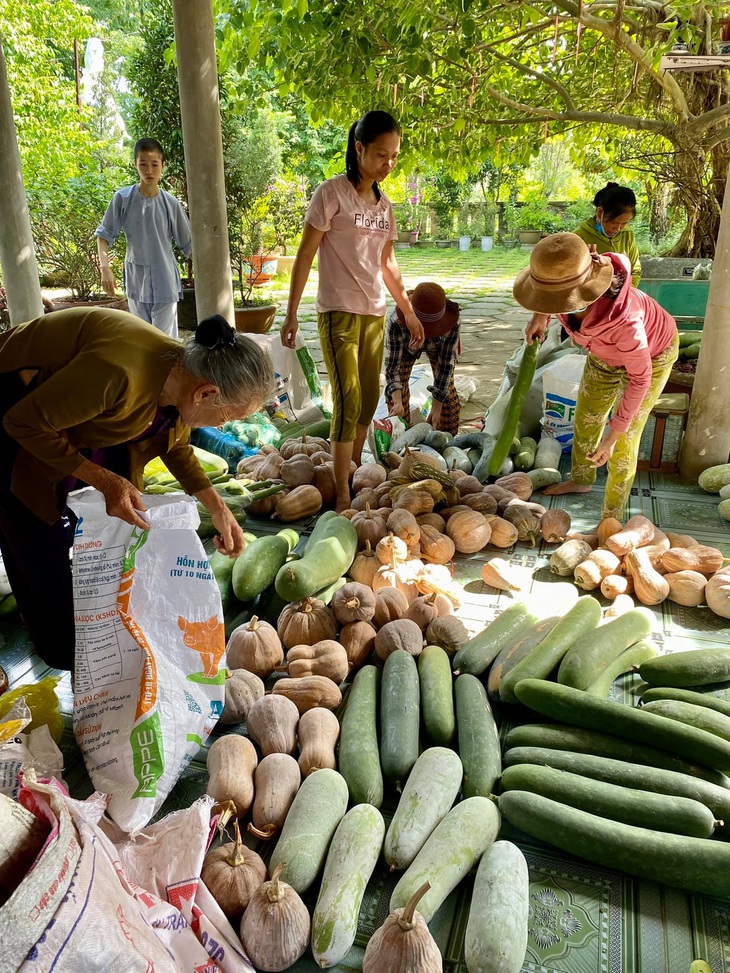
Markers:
207,638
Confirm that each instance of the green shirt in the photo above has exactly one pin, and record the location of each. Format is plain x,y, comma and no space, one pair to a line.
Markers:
624,242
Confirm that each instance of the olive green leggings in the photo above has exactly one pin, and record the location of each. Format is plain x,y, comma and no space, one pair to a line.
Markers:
600,389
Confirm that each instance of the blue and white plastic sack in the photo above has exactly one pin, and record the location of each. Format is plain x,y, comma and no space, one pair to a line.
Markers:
560,383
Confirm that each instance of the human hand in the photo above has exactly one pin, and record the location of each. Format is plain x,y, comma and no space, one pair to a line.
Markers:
396,406
415,328
230,538
605,449
123,500
536,327
435,416
289,330
109,285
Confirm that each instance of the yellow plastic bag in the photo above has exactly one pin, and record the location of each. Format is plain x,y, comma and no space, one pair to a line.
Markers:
42,702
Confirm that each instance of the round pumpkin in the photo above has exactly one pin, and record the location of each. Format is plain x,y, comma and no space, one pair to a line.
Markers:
391,549
432,520
242,689
255,646
423,611
358,640
297,471
306,623
469,485
396,576
365,566
448,632
324,481
368,475
353,603
483,502
403,633
369,525
390,604
232,873
403,524
469,531
364,499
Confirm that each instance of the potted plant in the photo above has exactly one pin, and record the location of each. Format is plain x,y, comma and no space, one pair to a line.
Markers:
533,219
464,225
486,221
252,244
287,202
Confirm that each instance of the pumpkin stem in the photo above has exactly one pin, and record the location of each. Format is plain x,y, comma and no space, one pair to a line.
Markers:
353,603
274,891
266,833
368,513
237,856
368,549
405,921
253,625
306,605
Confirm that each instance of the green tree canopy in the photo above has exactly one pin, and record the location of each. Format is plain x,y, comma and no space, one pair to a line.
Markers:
472,80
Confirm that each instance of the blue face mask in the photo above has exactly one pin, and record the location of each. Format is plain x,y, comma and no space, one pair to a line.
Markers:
599,229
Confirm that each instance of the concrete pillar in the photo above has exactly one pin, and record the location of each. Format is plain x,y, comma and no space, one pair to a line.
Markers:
201,121
17,250
707,438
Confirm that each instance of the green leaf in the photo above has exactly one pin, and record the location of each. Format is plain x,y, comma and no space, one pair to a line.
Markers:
302,7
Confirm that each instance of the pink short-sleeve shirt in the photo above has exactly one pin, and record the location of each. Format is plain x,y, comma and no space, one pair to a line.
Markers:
355,233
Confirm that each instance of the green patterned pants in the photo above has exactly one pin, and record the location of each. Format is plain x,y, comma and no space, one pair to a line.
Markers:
600,389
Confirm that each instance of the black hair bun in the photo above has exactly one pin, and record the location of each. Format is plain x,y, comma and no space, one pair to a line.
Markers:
215,332
610,185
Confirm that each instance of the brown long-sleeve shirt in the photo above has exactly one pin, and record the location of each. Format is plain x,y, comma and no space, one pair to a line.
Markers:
100,373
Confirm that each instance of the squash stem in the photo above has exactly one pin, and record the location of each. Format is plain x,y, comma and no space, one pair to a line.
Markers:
237,856
274,891
405,921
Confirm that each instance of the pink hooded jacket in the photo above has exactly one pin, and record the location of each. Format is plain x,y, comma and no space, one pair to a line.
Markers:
628,331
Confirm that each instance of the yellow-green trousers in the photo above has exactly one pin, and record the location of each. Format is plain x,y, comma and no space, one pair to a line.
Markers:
600,389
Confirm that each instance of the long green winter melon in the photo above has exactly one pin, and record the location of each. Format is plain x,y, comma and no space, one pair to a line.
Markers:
448,855
699,716
580,621
427,798
628,660
316,811
437,695
591,654
479,652
399,716
577,708
642,778
328,555
496,931
359,759
515,651
697,667
511,423
678,815
687,696
693,864
478,737
579,740
351,859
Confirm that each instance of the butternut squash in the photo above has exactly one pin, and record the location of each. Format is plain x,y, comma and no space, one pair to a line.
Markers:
436,547
309,691
326,658
277,781
717,593
637,531
682,540
616,584
598,565
242,689
619,606
365,566
650,587
501,574
705,560
272,724
231,764
319,730
686,587
518,483
504,534
303,501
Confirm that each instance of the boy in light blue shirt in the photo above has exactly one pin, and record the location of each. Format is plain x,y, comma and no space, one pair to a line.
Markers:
151,219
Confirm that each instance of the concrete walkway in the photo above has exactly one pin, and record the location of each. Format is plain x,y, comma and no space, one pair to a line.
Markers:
492,324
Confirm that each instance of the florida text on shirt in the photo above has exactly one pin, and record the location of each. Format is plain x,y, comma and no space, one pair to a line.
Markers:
371,222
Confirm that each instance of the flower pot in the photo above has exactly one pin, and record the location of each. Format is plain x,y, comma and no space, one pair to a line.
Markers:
285,264
487,243
261,267
404,236
255,320
464,242
530,237
414,237
443,244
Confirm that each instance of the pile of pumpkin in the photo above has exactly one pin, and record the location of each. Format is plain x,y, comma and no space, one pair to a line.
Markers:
304,466
640,560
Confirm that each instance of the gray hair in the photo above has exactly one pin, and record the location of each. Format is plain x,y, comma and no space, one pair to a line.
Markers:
241,371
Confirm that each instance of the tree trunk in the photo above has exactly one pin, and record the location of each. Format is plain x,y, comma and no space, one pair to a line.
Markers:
659,210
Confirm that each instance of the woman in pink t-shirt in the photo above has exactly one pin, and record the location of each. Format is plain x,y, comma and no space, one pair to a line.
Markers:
350,222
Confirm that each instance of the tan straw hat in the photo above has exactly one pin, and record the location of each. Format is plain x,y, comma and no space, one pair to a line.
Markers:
563,276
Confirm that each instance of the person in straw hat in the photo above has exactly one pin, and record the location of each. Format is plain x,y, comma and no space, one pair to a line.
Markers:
632,344
440,319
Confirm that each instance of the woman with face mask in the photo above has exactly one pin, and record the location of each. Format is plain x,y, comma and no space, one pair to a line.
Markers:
350,225
608,230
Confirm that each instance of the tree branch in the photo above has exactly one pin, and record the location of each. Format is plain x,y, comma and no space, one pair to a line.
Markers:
536,75
635,51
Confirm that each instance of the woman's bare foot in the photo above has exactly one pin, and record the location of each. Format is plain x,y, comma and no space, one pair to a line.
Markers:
342,503
567,486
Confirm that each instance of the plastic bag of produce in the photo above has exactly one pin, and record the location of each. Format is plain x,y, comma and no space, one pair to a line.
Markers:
95,903
22,748
150,639
298,388
560,384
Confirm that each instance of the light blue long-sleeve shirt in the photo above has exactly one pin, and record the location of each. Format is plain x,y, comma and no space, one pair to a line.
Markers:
149,224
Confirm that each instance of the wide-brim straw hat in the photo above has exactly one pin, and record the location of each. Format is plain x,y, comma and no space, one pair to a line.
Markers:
563,276
434,310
